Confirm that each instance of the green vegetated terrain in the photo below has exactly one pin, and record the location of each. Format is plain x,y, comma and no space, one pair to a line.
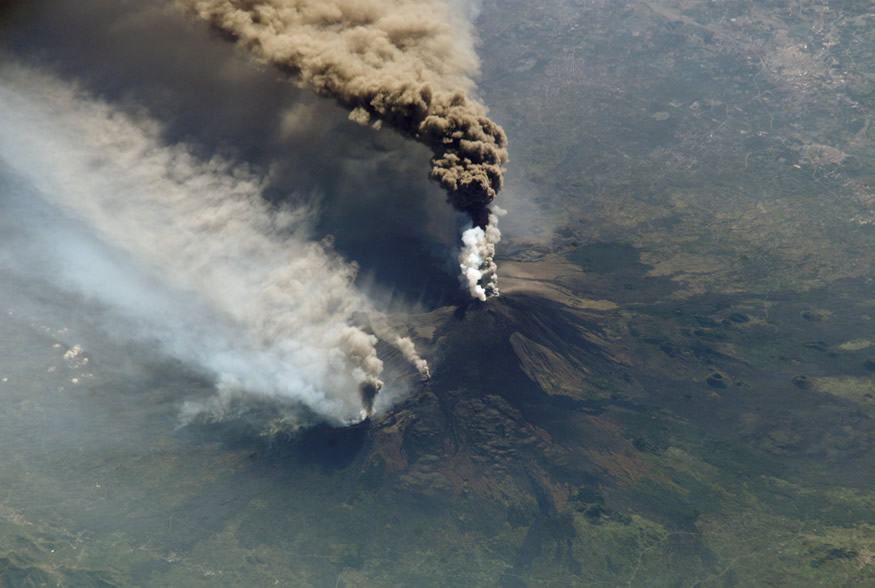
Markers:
677,387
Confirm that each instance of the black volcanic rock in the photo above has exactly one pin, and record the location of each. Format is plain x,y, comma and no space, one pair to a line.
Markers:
486,426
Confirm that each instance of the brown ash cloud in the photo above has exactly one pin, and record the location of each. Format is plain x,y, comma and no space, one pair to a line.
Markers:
403,64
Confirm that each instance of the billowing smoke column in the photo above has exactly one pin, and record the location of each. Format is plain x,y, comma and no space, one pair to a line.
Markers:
399,63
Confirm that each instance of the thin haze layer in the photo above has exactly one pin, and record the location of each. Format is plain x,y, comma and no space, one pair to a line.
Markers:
185,253
403,63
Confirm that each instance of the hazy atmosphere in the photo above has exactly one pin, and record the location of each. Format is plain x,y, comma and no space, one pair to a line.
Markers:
437,293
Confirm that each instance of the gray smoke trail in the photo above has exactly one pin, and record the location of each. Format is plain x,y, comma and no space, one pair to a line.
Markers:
185,253
405,345
408,350
407,64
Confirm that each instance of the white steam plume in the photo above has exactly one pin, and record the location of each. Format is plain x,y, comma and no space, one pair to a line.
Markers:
476,259
185,253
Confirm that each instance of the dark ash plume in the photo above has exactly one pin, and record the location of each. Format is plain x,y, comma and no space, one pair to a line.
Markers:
399,63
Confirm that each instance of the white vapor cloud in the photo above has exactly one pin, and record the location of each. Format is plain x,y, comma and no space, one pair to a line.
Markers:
183,253
476,259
